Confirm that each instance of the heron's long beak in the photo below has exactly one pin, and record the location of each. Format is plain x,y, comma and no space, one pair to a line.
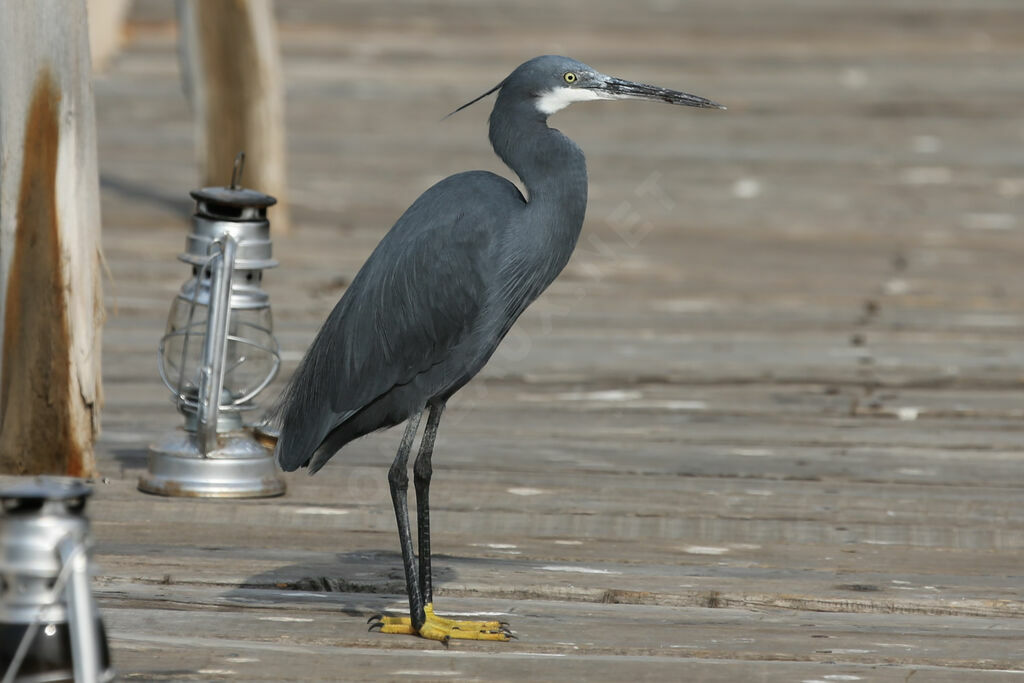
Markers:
619,89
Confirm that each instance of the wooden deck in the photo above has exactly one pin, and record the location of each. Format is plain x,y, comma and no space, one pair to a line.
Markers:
769,424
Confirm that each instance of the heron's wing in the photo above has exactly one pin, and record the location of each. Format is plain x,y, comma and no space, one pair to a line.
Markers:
414,300
417,299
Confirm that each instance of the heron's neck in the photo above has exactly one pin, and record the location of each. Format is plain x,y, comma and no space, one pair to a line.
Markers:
554,172
550,165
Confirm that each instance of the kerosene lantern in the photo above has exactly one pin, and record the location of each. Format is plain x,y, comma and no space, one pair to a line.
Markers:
50,629
219,352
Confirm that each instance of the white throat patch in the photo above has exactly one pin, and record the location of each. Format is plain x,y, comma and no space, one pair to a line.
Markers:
557,99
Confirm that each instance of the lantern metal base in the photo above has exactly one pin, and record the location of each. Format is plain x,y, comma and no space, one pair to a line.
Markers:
239,468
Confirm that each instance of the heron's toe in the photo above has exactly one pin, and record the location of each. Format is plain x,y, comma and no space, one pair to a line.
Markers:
442,629
385,624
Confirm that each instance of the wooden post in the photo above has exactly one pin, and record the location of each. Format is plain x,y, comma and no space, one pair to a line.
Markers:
50,299
232,69
106,30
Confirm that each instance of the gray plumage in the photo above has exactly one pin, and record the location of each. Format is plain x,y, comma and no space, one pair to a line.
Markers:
437,296
445,284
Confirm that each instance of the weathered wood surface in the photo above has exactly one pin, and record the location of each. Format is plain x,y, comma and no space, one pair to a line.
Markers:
51,311
767,426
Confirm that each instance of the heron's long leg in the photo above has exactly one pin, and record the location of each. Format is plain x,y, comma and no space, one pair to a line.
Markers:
398,479
421,470
422,620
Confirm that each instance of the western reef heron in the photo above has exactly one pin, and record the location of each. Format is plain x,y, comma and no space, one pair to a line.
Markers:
437,295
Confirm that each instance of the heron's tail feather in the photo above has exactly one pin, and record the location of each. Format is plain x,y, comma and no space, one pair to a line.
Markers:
302,414
297,441
309,435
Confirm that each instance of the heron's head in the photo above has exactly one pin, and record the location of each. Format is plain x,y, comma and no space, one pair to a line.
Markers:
551,83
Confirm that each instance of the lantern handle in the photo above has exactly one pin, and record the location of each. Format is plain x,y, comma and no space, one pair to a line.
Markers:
85,645
211,372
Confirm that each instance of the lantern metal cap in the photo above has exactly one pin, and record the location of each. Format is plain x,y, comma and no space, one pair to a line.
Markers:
237,211
233,202
233,197
46,488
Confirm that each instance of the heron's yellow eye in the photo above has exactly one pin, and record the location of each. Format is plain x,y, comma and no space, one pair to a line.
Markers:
569,77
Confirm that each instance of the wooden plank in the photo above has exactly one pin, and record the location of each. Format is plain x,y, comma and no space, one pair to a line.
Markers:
276,626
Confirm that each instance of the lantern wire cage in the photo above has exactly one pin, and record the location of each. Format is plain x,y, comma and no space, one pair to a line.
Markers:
30,633
189,400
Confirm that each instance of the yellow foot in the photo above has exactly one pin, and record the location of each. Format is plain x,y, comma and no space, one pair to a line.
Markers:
439,628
